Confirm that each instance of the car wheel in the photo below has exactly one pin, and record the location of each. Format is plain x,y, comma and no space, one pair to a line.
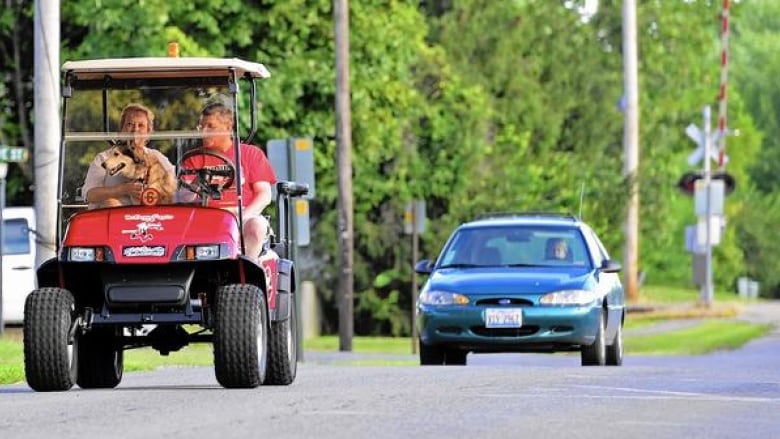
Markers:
431,355
100,359
282,350
50,360
615,350
455,357
594,355
240,336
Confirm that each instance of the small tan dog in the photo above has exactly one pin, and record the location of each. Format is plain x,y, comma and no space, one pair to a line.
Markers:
124,161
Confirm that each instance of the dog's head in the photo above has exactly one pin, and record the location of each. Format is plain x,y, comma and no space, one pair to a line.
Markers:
122,160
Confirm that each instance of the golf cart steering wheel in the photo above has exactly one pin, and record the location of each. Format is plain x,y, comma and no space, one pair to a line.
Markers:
206,181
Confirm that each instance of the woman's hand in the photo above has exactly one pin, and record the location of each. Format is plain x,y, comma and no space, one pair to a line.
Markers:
132,189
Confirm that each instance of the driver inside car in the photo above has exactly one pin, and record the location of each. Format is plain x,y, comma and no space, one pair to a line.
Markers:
216,128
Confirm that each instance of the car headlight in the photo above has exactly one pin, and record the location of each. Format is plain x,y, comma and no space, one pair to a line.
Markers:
569,297
437,297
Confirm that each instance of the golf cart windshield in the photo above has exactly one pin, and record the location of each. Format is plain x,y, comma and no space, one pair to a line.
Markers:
175,90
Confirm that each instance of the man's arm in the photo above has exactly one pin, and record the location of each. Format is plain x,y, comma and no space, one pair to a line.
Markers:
262,198
260,172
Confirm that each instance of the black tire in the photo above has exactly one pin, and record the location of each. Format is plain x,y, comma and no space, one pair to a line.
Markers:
615,350
100,359
455,357
240,336
595,354
50,360
283,350
431,355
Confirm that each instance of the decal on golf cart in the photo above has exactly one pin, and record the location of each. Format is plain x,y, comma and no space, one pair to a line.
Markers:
141,231
148,223
143,251
148,218
150,196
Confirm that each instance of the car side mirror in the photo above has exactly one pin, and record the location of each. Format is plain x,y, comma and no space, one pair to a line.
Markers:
425,266
610,266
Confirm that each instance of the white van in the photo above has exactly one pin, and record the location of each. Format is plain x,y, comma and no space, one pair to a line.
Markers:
18,260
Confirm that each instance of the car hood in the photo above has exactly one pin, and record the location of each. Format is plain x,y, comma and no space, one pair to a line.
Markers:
496,280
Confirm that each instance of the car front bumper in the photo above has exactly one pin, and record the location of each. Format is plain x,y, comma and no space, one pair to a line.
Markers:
544,328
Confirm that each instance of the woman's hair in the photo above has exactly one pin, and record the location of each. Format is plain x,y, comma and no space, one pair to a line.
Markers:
140,108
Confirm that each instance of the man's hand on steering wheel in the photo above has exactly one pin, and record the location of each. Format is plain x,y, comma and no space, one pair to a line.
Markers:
205,180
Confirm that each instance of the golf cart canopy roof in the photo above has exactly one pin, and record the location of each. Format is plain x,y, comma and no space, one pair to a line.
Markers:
162,67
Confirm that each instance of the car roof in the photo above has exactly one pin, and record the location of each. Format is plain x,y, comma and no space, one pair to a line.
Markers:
525,218
162,67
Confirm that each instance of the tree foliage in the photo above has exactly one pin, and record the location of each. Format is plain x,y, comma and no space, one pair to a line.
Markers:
473,106
16,97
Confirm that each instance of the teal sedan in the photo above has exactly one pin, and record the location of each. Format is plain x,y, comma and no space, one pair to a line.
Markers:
532,282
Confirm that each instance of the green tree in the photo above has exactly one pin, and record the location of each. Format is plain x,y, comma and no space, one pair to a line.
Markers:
755,24
555,79
16,93
473,106
755,38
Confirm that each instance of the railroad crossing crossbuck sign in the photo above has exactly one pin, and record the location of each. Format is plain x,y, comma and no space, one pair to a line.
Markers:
690,180
698,136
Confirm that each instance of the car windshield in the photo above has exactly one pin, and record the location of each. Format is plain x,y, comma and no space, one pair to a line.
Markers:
516,246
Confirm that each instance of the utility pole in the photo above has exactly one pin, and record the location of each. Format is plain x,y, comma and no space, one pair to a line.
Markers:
706,288
631,149
346,284
413,295
414,224
47,123
3,174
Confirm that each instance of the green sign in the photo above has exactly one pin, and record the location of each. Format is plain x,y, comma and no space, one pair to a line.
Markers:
13,154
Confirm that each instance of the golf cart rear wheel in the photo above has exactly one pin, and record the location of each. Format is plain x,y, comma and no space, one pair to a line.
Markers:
100,359
240,336
282,350
50,360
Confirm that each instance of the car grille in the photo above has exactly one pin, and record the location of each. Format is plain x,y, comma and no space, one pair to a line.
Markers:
505,332
504,301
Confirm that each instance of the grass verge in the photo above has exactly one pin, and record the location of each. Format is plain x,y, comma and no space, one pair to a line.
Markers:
707,336
379,345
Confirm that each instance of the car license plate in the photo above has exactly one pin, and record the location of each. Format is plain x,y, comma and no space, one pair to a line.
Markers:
503,318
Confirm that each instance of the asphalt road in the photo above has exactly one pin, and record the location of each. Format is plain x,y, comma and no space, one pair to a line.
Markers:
722,395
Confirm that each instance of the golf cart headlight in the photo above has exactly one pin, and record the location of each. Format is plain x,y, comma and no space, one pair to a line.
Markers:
437,297
82,254
569,297
201,252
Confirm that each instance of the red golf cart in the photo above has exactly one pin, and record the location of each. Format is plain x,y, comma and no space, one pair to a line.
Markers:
153,274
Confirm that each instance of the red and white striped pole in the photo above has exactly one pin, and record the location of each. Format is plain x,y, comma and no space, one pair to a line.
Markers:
724,73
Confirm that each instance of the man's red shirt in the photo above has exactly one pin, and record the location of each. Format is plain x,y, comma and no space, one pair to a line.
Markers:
254,167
